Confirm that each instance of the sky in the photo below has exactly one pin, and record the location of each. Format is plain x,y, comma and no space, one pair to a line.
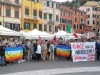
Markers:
61,0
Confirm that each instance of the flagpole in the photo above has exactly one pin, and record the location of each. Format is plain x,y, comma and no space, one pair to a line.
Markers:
68,19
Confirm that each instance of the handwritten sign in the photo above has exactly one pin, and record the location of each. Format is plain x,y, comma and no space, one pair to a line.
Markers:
83,51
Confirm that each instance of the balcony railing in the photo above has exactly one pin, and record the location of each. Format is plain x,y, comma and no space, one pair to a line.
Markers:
50,21
36,18
8,2
27,16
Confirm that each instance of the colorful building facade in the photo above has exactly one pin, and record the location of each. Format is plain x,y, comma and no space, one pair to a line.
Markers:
32,15
51,16
10,14
76,18
93,14
65,17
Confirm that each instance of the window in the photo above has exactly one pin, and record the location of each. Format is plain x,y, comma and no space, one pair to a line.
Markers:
81,26
36,1
50,28
57,18
88,16
16,1
70,21
26,25
60,20
8,25
40,26
50,16
81,13
8,12
52,4
63,20
16,27
87,22
93,8
56,28
93,22
75,19
34,25
81,20
16,14
75,26
48,3
45,15
64,13
0,11
97,16
45,27
45,3
57,6
64,28
75,12
97,22
40,14
35,12
93,15
88,9
69,14
26,11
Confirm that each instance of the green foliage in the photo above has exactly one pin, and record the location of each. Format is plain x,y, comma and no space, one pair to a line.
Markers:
76,3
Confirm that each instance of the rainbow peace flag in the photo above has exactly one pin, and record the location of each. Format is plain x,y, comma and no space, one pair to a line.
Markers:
63,50
13,53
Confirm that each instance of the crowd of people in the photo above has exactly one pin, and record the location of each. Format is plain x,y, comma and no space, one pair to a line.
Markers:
39,50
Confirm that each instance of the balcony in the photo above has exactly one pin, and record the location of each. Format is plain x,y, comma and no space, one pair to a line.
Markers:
82,23
8,2
50,21
27,16
36,18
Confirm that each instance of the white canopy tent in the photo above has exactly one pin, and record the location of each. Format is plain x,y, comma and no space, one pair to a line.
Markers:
24,33
8,32
66,35
34,34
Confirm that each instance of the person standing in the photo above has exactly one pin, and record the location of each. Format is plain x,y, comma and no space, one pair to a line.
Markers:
38,52
12,43
98,49
30,49
51,52
44,50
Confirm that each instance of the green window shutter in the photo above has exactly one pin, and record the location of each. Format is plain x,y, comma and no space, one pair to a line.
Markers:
40,14
24,25
47,3
35,12
29,26
57,18
26,11
45,15
34,26
52,4
40,26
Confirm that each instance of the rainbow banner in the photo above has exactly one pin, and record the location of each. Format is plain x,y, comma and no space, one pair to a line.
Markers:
13,53
62,50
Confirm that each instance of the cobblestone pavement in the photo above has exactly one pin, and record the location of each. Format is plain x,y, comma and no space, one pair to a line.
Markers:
58,67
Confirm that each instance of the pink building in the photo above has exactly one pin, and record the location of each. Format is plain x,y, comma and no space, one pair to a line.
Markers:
65,17
93,17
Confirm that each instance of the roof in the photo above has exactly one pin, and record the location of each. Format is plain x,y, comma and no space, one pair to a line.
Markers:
92,3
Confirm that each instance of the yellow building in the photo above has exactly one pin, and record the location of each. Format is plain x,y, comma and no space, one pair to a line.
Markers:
10,14
32,17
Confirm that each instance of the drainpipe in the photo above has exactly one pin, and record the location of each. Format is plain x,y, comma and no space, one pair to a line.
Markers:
53,19
3,15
